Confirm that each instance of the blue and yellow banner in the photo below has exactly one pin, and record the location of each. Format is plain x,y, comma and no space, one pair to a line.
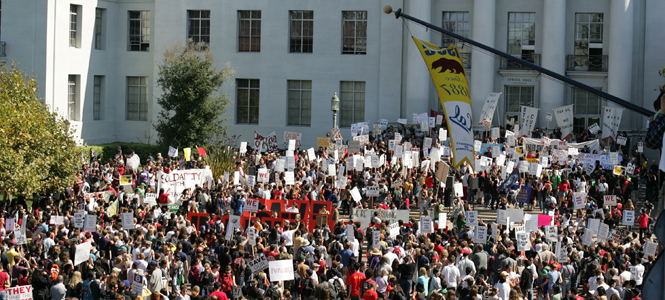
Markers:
449,76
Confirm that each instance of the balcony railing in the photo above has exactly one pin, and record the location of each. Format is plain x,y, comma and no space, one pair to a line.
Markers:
507,64
590,63
3,45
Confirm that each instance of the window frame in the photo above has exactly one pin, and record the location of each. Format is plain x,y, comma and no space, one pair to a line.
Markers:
141,103
75,26
97,96
355,92
248,86
98,33
144,29
301,38
252,37
300,90
73,97
524,49
508,98
587,116
201,20
589,43
355,36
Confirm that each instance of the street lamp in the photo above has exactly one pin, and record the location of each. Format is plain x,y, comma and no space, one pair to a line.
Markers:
334,106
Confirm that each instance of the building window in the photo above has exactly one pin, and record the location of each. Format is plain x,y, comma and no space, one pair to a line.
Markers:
354,32
587,109
75,26
247,109
137,98
300,102
97,94
588,34
139,30
99,28
352,102
521,33
73,98
199,26
249,31
302,31
517,96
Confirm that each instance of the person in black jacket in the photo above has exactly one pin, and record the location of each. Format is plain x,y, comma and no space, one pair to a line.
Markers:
526,280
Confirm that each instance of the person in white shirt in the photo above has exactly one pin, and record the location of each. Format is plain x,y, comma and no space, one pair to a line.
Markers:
637,271
451,273
624,275
288,234
503,286
390,256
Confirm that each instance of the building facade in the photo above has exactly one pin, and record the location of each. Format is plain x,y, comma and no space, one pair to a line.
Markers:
97,61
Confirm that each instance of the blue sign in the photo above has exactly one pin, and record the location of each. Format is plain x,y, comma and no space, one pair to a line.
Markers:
525,195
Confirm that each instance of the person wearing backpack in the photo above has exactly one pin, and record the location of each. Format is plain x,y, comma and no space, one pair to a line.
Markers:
567,272
194,276
307,287
228,282
207,280
325,287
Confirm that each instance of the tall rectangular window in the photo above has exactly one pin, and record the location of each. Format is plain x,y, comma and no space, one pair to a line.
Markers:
354,32
586,110
352,102
139,30
249,31
300,102
457,22
521,33
247,102
302,31
517,96
588,34
99,28
97,94
137,98
73,98
199,26
74,26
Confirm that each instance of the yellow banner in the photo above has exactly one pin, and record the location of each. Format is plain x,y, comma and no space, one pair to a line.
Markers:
533,160
113,209
447,71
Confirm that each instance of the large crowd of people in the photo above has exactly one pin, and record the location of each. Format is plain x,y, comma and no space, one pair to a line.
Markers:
175,258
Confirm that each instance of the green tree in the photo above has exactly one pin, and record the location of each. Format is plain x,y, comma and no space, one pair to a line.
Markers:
37,152
192,109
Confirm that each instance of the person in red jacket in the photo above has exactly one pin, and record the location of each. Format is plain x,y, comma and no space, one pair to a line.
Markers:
643,221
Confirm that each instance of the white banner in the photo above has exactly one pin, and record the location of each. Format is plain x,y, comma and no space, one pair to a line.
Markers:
177,181
611,121
523,243
251,205
281,270
23,292
528,116
487,113
82,253
297,136
564,118
127,221
480,236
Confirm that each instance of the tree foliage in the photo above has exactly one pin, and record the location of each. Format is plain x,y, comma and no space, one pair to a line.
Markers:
192,109
37,152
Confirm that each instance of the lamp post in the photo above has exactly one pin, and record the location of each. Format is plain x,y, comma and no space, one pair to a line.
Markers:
334,106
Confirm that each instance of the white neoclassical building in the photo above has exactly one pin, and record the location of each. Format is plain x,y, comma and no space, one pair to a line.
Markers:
96,60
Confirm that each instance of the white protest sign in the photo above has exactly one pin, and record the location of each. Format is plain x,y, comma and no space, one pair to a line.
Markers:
372,191
579,200
150,198
443,220
548,116
628,217
495,229
611,121
231,225
90,223
621,140
356,194
472,218
376,239
501,217
443,134
459,189
79,220
603,232
9,224
495,133
477,145
350,233
523,243
179,180
251,205
551,233
289,178
263,175
594,128
82,253
480,235
127,221
610,200
425,225
251,236
587,239
487,113
243,148
281,270
593,225
251,180
650,249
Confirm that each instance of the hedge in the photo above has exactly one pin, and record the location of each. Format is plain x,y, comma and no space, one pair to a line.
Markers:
111,149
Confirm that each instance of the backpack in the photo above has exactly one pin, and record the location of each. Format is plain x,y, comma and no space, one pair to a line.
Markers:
359,235
337,286
335,247
95,289
272,294
227,282
194,275
398,295
308,287
234,204
206,279
366,285
237,264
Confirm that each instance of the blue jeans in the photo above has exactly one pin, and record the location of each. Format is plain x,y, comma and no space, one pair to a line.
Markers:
3,295
488,199
406,287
